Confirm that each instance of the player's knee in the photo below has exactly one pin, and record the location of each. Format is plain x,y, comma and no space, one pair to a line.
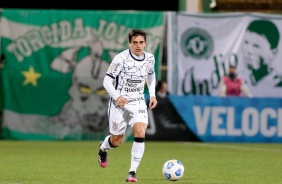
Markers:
139,130
139,133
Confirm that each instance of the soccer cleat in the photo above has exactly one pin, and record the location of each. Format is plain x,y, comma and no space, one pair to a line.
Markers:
102,157
131,177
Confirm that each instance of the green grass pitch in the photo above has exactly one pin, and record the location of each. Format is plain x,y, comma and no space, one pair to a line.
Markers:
73,162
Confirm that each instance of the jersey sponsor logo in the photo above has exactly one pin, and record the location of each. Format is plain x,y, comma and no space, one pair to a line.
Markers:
133,81
133,89
135,99
131,85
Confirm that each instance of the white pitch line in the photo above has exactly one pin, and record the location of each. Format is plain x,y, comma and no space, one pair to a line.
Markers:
237,147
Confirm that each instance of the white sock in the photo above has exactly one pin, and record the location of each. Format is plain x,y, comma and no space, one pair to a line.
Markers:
106,145
137,152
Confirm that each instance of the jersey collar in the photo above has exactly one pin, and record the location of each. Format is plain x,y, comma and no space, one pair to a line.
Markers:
135,57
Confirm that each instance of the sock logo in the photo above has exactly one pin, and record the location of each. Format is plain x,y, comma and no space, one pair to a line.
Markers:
137,159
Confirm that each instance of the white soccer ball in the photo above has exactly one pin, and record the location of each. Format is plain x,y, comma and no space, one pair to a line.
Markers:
173,170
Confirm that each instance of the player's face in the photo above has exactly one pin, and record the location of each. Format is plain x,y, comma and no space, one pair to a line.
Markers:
137,45
256,48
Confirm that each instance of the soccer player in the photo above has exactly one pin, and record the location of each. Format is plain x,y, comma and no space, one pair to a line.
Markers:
124,82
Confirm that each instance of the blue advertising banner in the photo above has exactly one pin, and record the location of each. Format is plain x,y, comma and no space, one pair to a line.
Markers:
231,119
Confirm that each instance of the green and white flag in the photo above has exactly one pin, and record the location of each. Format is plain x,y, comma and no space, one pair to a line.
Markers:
202,46
55,64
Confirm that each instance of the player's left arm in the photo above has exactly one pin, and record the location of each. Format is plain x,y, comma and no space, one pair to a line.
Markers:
151,83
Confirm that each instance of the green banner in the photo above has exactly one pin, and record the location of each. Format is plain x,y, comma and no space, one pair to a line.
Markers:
55,64
1,84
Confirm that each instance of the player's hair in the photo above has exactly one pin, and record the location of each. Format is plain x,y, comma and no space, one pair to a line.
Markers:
136,32
266,28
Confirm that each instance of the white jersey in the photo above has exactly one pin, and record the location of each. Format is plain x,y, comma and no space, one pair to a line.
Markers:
126,77
129,75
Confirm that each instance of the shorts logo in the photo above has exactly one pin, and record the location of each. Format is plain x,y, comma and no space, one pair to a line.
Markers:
197,43
115,126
